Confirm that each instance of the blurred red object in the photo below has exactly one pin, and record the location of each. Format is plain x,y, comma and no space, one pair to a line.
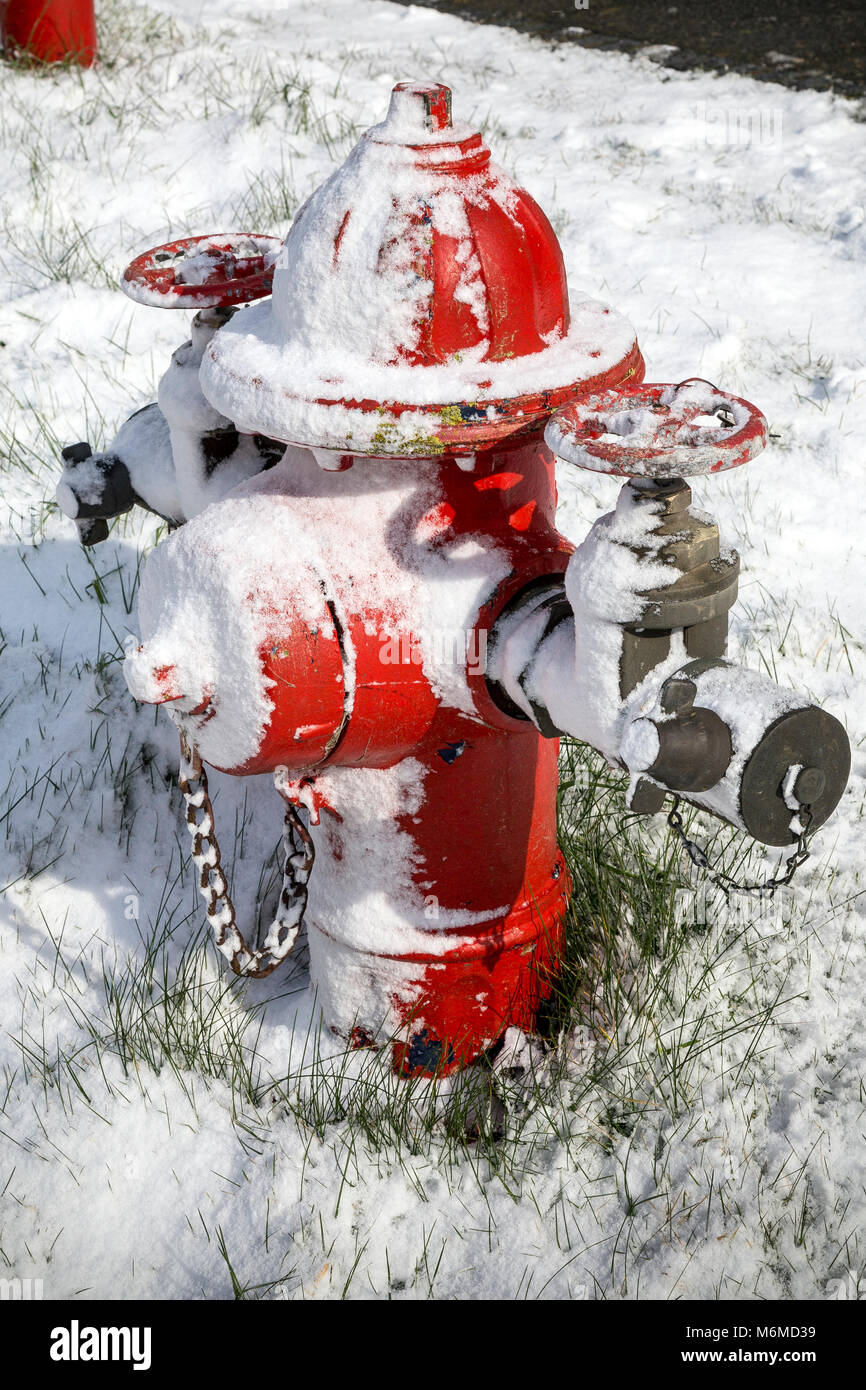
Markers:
53,31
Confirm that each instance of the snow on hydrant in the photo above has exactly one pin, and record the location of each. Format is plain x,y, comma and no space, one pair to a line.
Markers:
369,598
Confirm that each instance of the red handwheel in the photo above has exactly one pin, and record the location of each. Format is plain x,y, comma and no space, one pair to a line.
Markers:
658,430
203,272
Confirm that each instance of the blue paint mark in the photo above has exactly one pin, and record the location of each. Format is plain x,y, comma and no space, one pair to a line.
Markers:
426,1052
451,752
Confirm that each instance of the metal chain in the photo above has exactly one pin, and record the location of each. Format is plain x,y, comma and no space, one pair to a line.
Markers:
298,864
724,880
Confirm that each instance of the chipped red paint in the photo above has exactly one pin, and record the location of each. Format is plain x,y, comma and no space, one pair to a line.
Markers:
438,519
521,518
502,481
341,231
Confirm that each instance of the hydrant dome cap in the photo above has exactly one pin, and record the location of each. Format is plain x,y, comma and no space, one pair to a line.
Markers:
419,276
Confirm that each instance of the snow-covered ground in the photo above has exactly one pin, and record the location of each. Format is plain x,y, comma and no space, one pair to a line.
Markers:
143,1152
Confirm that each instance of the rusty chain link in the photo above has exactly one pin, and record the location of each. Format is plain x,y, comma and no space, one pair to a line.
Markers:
298,863
724,880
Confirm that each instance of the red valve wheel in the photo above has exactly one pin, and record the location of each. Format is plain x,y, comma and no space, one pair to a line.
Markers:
658,430
203,272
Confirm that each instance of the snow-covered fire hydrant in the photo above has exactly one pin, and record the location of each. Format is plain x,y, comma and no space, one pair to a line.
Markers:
371,600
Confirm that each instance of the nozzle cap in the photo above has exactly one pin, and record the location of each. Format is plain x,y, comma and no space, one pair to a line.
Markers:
817,742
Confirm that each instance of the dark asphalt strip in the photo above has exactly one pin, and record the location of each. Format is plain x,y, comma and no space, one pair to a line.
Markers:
822,45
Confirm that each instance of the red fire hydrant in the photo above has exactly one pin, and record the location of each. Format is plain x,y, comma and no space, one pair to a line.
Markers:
388,620
51,31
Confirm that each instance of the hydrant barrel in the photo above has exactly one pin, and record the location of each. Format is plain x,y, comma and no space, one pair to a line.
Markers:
436,907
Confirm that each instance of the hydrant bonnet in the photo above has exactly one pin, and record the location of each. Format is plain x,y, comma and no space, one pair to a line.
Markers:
417,253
